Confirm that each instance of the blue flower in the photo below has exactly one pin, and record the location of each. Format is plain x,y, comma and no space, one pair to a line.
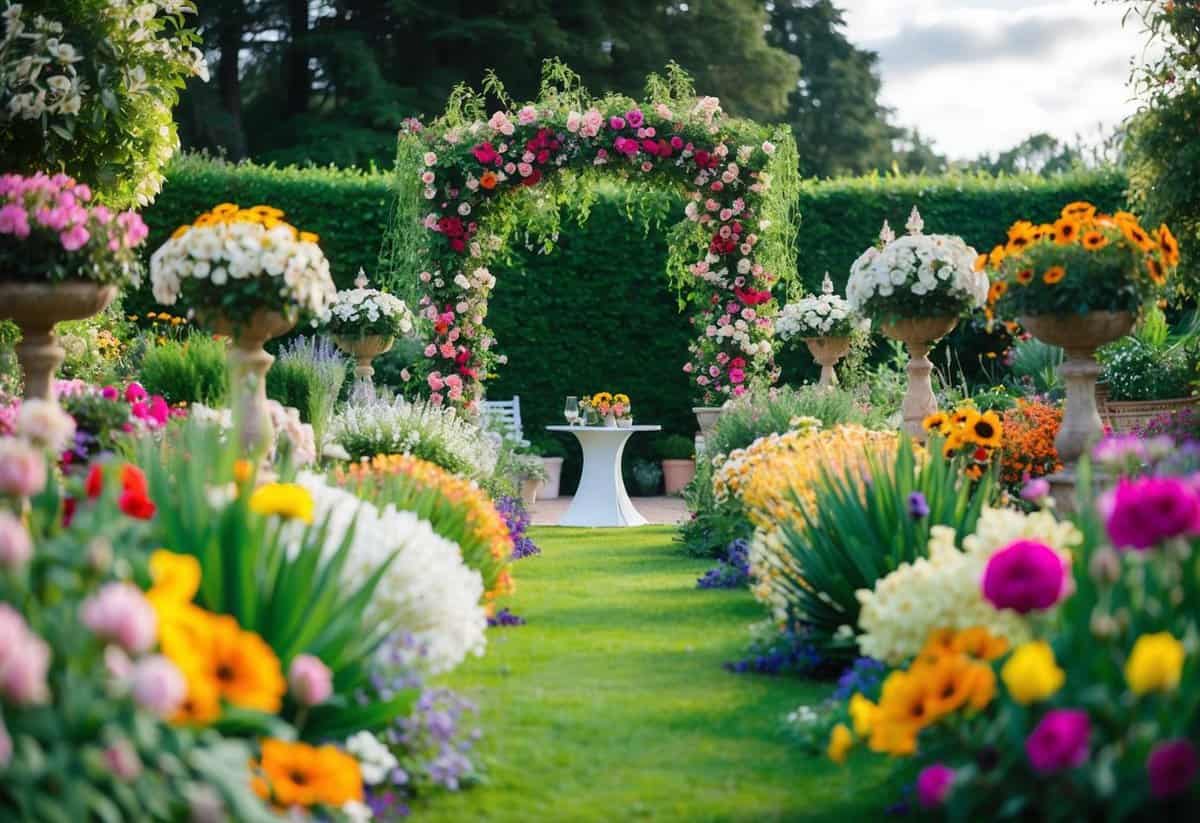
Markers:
918,506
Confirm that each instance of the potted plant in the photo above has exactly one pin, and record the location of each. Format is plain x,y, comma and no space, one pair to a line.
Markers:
915,288
826,323
646,476
1078,283
552,453
364,323
530,474
1146,375
62,257
678,462
249,275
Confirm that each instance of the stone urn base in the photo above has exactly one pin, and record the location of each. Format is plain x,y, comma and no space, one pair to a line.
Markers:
248,366
36,308
919,334
1079,335
364,350
706,416
827,351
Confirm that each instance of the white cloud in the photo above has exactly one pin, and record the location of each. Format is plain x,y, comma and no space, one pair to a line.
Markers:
981,75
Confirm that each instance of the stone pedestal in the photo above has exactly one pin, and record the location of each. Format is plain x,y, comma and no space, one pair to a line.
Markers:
248,366
919,334
827,351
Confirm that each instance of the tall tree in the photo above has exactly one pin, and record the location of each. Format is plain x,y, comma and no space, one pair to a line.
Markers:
834,109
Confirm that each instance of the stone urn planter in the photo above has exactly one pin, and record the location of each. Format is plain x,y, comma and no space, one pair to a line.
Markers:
364,350
827,351
248,366
677,474
706,416
36,308
553,466
530,487
919,334
1079,335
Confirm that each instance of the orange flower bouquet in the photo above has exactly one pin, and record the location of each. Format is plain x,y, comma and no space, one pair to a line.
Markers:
1029,432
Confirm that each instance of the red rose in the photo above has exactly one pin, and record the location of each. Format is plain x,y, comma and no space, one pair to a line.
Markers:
94,483
136,505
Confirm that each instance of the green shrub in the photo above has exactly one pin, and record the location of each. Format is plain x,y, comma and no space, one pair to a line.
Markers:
192,370
675,447
308,374
1135,370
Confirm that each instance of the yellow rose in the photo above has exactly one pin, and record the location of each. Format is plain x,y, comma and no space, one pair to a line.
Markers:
1031,674
1155,664
862,713
287,500
840,742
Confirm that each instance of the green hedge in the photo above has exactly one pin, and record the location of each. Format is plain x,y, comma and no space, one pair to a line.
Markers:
597,313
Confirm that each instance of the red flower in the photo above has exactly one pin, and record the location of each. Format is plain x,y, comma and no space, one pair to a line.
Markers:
650,147
533,178
752,297
458,244
486,155
737,363
68,511
134,500
701,158
463,356
94,483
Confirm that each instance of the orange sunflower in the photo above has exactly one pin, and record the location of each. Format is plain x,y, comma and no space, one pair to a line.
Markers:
1094,240
996,291
1136,234
1158,274
1066,231
1025,277
243,668
1079,210
1053,275
1169,245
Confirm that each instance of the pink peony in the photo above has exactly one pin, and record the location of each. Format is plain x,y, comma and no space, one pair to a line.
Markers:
616,122
1024,576
1059,741
1035,490
22,468
1172,767
934,784
527,116
119,613
24,660
158,685
15,545
14,220
737,376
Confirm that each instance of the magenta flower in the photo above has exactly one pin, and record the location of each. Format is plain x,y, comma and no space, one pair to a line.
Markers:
934,784
1059,741
119,613
14,220
616,122
1142,513
310,680
134,393
1172,767
1024,576
1036,489
74,238
635,118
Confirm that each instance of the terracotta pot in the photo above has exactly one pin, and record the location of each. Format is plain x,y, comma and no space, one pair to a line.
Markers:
706,416
553,467
36,308
1079,335
919,334
827,351
364,350
677,474
248,366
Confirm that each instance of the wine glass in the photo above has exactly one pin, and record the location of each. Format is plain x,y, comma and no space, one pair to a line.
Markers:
571,411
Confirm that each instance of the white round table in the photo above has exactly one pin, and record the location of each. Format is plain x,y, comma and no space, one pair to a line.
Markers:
600,499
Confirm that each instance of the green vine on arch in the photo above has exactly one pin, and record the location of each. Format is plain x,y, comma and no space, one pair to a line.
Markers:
470,184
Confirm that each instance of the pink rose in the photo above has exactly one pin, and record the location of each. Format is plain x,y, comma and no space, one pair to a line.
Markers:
24,660
158,685
15,545
527,115
737,376
430,350
310,680
119,613
435,381
22,468
574,120
616,122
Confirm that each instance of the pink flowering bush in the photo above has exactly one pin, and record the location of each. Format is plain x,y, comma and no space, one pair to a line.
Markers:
51,230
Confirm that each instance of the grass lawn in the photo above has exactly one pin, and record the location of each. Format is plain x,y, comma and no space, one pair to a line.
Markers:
611,704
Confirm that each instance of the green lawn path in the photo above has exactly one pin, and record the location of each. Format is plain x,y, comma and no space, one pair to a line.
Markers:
611,704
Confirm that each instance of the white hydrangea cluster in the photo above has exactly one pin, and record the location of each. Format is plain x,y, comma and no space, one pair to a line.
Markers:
920,264
943,591
427,589
438,434
220,252
822,315
362,311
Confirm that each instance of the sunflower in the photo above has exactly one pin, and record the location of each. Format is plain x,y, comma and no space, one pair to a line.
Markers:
297,774
938,421
1079,210
1169,245
1018,244
980,263
1025,277
287,500
1136,235
309,237
240,664
964,416
947,682
1156,271
996,291
953,443
979,643
1053,275
996,256
1066,231
224,209
1094,240
985,430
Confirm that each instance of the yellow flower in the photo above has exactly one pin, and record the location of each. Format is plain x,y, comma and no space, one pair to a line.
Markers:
1169,245
309,237
1155,664
297,774
176,577
938,421
1079,210
979,643
1031,674
1094,240
862,714
287,500
1066,231
840,743
985,430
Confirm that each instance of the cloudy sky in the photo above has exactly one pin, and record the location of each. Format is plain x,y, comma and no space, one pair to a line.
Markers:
981,75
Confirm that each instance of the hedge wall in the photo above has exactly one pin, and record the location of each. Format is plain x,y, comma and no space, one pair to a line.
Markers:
597,313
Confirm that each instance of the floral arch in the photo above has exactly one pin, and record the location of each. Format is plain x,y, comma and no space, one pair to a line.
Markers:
469,181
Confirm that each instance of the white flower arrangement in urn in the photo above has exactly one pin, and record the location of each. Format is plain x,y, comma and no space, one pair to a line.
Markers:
826,323
915,287
365,323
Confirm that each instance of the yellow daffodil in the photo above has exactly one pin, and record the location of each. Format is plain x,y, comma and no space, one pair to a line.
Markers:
1155,664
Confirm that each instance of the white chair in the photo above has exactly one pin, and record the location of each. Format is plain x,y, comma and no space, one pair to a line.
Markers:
504,416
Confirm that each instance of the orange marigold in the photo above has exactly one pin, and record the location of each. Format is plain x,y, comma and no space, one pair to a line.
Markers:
1029,432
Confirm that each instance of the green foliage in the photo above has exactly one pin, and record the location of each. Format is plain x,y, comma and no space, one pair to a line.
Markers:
849,540
280,581
1135,370
675,447
191,370
1035,365
308,375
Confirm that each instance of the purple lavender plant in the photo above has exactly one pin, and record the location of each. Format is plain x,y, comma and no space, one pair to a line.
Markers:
505,618
733,572
863,676
788,653
517,518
